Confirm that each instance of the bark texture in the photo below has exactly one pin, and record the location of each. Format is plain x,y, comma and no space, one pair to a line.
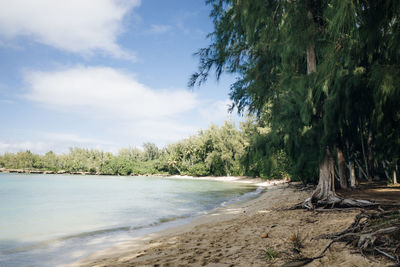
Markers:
342,169
324,195
352,175
326,185
371,165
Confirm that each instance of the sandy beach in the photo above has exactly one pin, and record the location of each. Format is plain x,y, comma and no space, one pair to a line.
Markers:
255,233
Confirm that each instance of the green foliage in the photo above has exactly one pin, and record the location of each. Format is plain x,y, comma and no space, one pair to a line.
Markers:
150,151
214,151
262,157
51,161
198,169
349,102
117,166
21,160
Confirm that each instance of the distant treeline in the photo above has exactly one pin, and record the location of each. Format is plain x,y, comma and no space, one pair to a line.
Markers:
218,151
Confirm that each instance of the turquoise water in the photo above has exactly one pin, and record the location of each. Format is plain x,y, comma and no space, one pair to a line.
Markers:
50,220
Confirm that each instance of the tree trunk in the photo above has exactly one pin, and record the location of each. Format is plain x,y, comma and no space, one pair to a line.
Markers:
371,164
324,194
352,175
360,174
385,170
342,169
325,190
364,157
326,185
395,175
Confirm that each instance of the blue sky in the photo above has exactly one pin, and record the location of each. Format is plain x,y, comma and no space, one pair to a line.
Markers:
103,74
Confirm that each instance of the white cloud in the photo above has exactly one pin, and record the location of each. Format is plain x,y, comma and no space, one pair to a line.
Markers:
159,29
70,138
217,111
121,111
77,26
42,142
13,147
105,92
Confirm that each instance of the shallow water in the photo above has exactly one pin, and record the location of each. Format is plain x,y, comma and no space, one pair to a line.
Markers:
50,220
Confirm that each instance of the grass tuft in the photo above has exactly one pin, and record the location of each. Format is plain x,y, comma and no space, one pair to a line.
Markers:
270,254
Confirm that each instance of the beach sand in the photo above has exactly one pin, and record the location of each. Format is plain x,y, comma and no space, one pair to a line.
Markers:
236,236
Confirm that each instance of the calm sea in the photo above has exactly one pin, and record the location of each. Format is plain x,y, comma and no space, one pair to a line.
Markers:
51,220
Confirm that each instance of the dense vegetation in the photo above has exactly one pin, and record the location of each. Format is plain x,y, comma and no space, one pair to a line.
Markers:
221,150
323,75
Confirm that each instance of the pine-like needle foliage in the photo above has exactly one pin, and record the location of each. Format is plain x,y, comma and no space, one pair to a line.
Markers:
349,103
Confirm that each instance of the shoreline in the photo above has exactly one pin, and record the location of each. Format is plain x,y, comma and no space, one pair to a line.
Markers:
219,214
259,182
240,234
255,181
36,171
164,222
217,178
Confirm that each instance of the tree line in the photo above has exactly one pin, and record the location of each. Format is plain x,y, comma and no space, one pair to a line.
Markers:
215,151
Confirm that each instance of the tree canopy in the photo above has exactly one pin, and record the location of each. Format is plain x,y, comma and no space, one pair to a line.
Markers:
324,73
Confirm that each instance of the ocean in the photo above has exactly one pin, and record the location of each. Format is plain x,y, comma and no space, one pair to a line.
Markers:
53,220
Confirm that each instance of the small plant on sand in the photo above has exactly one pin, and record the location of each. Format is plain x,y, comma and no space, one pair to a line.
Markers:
297,241
270,254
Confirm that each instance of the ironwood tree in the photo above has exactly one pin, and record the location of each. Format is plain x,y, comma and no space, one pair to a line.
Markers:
327,73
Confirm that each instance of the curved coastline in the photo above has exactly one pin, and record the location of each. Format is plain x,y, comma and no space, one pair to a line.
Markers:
219,214
255,186
256,181
239,235
237,179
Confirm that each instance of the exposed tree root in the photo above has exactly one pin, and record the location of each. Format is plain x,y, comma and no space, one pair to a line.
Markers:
372,233
303,261
334,201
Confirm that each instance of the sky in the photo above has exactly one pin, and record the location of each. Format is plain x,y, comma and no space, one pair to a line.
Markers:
104,74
